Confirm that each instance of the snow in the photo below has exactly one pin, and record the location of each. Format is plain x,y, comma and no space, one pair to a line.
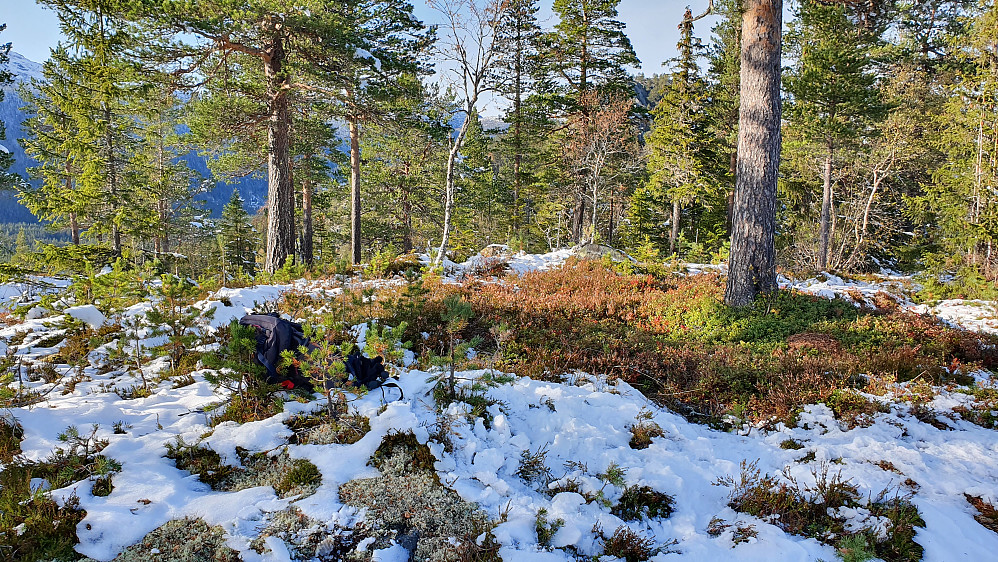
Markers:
365,54
583,425
88,314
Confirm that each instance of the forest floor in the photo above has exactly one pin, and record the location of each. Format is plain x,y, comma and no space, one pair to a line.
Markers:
601,413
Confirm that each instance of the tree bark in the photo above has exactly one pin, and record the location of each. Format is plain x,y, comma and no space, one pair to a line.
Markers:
74,229
752,266
280,189
826,210
307,227
354,190
674,234
578,217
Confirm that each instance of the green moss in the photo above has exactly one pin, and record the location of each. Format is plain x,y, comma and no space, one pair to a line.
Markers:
302,474
406,445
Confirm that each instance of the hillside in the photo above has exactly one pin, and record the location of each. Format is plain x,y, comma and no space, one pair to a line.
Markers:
840,419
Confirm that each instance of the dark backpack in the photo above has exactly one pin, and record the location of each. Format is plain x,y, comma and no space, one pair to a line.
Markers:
275,334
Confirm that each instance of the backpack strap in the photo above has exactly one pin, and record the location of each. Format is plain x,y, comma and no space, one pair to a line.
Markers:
391,383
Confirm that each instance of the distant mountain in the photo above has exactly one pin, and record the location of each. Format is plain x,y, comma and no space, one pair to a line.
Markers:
253,190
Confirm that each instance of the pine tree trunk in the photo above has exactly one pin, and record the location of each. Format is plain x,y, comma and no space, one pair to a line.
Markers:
752,266
674,234
280,190
74,228
354,191
307,227
578,217
112,180
826,210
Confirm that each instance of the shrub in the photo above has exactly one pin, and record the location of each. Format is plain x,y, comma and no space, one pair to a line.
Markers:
33,526
628,545
642,501
642,434
546,529
11,434
812,510
200,460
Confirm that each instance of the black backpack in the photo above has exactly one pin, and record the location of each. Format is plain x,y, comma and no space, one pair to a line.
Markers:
275,334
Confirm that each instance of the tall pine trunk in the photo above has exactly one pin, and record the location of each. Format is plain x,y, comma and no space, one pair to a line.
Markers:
112,179
280,190
354,190
752,266
674,234
307,227
825,227
578,216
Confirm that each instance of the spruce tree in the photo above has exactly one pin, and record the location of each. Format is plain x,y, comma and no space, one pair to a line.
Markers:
960,203
53,140
237,237
518,39
682,147
105,71
833,92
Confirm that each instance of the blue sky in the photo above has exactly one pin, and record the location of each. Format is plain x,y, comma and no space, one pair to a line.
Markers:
651,25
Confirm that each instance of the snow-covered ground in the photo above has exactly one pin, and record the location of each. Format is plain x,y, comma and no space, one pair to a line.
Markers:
583,425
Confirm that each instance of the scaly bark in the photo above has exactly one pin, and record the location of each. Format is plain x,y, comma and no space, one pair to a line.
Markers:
752,266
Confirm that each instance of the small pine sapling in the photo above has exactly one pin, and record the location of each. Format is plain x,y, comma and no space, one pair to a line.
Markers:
386,342
234,364
174,317
457,312
322,363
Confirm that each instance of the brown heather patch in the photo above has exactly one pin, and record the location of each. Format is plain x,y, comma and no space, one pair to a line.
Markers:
674,339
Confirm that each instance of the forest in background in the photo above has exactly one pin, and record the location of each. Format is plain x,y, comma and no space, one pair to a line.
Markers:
889,157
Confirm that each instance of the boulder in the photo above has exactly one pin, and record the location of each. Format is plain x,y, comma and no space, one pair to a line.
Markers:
597,251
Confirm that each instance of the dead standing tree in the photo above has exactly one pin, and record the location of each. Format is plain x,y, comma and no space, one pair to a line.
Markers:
469,43
598,145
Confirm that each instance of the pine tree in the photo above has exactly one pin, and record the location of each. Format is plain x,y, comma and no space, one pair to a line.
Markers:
833,92
587,50
389,43
752,265
405,153
237,238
